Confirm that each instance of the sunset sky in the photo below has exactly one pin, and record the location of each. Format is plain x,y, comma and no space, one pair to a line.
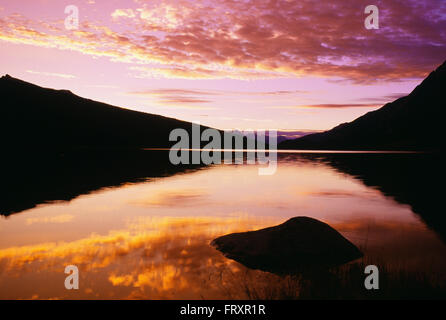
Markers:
283,64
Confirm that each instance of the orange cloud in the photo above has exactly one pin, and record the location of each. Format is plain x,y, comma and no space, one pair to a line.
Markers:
63,218
126,13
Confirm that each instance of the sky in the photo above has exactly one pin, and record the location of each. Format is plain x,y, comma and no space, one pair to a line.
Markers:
230,64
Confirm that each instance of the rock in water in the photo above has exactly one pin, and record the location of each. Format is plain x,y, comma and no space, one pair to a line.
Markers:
299,244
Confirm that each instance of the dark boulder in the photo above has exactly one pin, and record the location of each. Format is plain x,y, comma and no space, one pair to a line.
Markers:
300,244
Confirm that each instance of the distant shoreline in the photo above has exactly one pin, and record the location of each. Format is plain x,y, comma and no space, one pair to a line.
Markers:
296,151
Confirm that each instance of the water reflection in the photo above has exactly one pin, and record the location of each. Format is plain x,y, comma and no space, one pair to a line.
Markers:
30,178
151,258
150,238
409,179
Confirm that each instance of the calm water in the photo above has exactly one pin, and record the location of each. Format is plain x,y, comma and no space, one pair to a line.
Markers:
147,236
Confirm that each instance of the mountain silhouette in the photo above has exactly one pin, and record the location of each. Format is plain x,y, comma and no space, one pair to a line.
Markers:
32,116
408,123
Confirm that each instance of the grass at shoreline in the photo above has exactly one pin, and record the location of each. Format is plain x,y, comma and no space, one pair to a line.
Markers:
343,282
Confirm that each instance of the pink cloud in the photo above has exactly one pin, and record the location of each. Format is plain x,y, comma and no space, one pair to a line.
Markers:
202,39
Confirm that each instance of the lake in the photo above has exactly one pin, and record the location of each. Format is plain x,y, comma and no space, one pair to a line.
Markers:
139,229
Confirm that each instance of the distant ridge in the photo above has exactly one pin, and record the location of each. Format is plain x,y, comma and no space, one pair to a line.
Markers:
32,116
413,122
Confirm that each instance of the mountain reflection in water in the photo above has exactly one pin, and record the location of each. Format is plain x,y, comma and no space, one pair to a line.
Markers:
139,228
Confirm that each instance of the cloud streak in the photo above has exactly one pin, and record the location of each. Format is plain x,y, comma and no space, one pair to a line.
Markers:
51,74
327,106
